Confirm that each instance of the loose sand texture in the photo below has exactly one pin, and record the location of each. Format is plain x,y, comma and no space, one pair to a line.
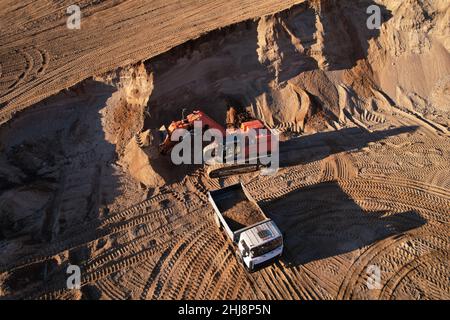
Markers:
364,160
239,212
40,56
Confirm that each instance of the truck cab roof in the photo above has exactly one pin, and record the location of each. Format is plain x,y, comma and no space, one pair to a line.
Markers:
260,234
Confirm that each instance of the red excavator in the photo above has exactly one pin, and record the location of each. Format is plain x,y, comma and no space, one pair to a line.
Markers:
187,123
237,123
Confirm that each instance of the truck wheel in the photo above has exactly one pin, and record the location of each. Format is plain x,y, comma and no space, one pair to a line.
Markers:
216,219
238,256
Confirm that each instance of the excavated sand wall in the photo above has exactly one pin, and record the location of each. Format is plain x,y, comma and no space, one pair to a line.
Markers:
113,34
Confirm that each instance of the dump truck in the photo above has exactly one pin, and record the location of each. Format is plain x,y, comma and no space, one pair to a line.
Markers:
257,238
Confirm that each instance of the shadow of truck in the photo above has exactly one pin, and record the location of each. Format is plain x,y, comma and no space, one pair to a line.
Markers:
322,221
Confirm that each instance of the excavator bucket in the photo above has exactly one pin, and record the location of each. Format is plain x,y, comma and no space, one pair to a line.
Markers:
163,133
164,143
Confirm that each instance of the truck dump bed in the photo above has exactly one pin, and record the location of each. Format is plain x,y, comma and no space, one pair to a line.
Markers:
237,207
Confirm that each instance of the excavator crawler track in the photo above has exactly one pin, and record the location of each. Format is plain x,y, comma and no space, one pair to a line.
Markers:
226,170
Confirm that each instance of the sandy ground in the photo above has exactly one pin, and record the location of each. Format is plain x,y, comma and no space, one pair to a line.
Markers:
39,55
363,182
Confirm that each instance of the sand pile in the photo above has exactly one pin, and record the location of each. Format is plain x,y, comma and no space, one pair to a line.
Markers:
123,122
411,59
241,213
40,55
138,158
124,116
285,68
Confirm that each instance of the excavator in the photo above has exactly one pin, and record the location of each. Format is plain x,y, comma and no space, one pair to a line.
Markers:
187,123
237,122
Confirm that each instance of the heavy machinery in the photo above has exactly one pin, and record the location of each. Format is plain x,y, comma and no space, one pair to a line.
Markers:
238,125
258,240
187,123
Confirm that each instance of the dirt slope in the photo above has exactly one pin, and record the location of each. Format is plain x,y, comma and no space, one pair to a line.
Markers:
40,56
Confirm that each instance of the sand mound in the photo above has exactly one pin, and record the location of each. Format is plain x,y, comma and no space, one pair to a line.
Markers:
124,116
290,67
412,55
113,34
253,62
138,157
242,214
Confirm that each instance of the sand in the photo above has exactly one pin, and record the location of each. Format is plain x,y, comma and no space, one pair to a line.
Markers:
239,212
364,166
113,34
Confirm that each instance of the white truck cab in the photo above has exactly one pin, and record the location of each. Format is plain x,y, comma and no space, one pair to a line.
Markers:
260,245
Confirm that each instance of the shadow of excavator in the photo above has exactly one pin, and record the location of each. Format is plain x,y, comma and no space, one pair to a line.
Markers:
318,146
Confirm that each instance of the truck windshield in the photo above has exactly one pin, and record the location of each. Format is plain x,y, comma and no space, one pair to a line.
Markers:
267,247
